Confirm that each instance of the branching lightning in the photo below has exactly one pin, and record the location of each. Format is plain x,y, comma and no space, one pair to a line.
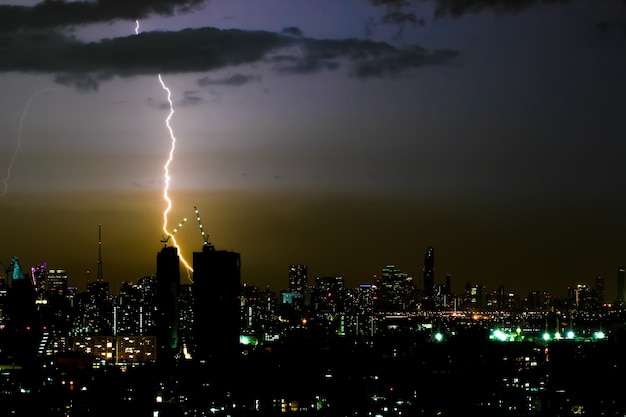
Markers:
166,171
19,137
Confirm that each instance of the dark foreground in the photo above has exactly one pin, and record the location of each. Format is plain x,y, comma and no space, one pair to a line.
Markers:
395,376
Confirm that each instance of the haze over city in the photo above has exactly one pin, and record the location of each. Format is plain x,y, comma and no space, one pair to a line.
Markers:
345,135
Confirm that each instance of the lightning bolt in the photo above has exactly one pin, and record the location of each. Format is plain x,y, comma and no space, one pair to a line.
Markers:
19,137
167,174
166,170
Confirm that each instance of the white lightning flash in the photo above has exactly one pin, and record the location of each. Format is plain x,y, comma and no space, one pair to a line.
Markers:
167,173
166,170
19,137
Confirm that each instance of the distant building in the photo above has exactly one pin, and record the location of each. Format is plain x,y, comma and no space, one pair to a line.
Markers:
56,281
298,280
396,291
102,348
621,285
429,279
473,297
127,317
136,349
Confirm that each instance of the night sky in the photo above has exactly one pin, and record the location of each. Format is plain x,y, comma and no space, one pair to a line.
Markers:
343,134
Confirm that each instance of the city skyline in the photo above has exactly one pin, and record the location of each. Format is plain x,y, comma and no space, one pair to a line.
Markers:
319,134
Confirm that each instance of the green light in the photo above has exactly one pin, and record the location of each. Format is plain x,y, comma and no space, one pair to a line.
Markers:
546,336
438,337
500,335
247,340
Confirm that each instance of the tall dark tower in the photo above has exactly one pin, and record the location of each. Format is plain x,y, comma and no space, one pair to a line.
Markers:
216,291
621,285
100,274
429,278
23,323
166,320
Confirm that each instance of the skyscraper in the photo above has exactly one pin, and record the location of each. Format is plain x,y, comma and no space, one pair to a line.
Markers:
621,285
396,290
216,290
297,277
166,320
56,281
429,278
23,324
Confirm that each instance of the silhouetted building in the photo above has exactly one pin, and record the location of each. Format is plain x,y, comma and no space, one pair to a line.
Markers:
216,291
396,292
429,278
128,310
56,281
23,328
166,302
473,298
599,289
298,280
621,285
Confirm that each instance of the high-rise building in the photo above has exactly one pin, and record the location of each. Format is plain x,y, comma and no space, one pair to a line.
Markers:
166,302
216,291
473,297
148,305
396,290
429,271
23,321
39,274
297,277
599,290
621,285
127,318
56,281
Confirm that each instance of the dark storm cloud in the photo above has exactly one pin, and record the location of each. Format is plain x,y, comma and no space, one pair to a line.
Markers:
196,50
293,31
289,64
235,80
58,13
458,8
397,10
396,15
393,64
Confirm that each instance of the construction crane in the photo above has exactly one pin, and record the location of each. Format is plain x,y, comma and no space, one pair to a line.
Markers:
205,238
166,239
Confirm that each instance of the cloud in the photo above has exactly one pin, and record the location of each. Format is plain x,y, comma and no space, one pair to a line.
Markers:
457,8
58,13
397,9
393,64
290,64
235,80
190,98
195,50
